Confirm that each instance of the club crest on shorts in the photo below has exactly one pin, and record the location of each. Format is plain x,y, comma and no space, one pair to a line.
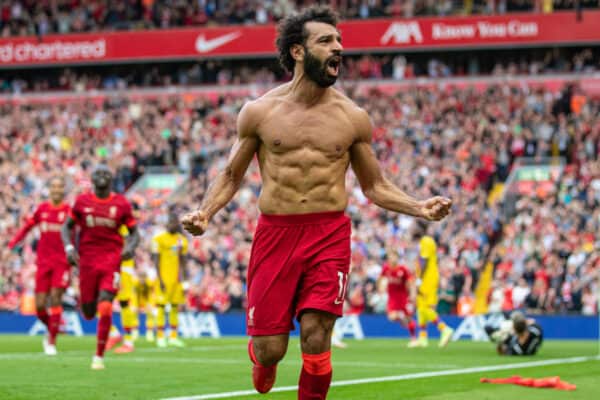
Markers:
251,316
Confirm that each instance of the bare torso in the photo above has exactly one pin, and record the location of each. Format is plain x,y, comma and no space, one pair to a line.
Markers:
303,152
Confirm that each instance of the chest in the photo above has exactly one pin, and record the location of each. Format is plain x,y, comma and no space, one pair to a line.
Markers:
324,129
96,214
396,275
51,220
171,246
57,216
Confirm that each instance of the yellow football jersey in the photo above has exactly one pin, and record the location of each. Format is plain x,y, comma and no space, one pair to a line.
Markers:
430,277
126,265
169,246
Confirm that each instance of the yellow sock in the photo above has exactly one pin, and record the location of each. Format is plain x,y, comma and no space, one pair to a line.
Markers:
441,326
114,331
173,320
126,320
135,320
423,334
160,321
150,319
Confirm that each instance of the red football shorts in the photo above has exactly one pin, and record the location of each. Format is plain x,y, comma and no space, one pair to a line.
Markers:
93,280
52,276
298,262
400,306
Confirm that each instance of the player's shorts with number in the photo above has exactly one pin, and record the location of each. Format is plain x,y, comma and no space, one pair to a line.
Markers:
52,276
298,262
94,278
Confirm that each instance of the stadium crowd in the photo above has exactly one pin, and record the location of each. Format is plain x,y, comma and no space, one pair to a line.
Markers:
32,17
453,142
220,72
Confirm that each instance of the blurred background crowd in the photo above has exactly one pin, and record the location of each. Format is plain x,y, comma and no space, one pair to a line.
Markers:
35,17
399,67
460,143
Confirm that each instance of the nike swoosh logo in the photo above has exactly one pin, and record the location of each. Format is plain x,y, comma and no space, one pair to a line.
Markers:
204,45
337,302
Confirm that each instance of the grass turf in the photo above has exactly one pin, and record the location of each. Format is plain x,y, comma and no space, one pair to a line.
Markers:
221,365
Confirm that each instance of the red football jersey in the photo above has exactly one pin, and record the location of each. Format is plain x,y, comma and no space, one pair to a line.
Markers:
100,220
50,248
398,278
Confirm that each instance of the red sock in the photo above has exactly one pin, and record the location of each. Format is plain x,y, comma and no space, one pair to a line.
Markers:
54,324
412,329
315,377
104,322
43,316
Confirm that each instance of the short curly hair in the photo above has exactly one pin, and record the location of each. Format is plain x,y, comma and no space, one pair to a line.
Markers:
291,31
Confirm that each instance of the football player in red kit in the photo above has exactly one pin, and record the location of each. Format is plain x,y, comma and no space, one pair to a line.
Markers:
52,274
400,287
100,215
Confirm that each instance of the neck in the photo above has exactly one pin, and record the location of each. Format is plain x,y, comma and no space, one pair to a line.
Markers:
55,203
305,90
102,193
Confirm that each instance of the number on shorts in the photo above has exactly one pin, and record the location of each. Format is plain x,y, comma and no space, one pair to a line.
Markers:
116,278
343,283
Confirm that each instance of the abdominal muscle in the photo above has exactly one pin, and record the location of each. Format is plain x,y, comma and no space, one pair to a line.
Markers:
301,181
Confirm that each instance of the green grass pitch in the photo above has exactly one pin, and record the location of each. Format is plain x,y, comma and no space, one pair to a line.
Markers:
208,366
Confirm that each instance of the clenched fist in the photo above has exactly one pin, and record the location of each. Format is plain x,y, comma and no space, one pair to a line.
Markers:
435,208
195,222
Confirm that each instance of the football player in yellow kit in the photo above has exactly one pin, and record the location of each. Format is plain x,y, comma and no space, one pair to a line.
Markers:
169,250
125,296
144,300
427,294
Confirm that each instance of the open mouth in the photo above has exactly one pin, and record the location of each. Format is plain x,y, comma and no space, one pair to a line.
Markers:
333,65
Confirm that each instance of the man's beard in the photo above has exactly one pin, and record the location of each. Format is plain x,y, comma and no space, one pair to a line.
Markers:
317,70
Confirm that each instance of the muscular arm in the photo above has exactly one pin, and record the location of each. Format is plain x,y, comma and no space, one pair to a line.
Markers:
66,233
156,261
131,242
379,189
228,181
183,267
20,235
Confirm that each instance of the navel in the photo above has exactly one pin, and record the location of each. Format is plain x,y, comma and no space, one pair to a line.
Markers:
277,142
338,148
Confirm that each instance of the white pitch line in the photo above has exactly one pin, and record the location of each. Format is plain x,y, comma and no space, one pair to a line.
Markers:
31,354
419,375
132,358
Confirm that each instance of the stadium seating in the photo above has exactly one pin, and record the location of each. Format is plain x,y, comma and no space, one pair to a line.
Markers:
28,17
431,140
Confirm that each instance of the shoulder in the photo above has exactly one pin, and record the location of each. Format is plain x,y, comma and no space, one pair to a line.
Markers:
254,111
158,236
121,200
428,240
358,116
80,199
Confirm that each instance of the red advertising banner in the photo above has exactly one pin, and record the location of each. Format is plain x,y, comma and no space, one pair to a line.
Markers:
251,41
